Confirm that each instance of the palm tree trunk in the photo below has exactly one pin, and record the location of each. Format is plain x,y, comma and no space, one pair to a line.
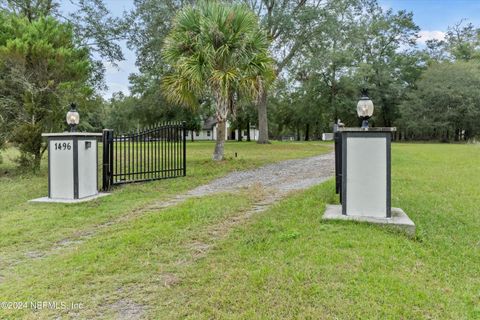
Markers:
220,143
262,119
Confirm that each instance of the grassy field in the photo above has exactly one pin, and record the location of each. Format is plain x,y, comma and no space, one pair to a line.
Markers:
282,263
286,263
31,232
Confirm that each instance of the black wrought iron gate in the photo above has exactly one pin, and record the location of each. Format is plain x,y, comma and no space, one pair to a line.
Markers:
155,153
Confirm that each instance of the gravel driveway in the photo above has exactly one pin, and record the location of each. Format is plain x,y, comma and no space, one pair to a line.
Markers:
279,178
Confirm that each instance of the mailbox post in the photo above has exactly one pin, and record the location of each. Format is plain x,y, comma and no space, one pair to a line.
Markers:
72,165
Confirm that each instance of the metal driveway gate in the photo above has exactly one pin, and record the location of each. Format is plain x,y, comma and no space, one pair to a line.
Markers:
155,153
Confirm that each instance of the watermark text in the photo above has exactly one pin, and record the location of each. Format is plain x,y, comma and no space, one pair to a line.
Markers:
40,305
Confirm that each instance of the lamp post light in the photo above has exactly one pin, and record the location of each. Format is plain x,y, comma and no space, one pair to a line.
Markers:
364,108
73,118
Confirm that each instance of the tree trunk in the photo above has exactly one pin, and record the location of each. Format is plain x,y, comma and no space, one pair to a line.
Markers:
385,111
220,143
307,132
280,131
298,134
248,130
240,137
262,119
192,135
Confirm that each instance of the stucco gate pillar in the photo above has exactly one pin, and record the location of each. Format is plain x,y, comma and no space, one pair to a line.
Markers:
72,167
365,158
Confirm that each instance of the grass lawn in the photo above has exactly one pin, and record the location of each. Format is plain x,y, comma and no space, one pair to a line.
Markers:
282,263
32,227
29,231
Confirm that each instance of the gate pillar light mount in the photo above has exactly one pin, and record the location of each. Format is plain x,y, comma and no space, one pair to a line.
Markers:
73,118
365,108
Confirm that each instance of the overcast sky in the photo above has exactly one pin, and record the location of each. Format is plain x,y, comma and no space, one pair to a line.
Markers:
432,16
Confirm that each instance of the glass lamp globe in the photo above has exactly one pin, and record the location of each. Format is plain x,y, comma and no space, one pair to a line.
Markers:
73,118
364,107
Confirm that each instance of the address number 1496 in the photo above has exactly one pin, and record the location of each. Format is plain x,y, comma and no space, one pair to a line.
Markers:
63,146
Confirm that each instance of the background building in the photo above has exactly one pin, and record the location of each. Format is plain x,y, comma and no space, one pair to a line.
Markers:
209,131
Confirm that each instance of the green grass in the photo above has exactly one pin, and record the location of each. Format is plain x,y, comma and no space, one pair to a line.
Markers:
133,260
287,263
284,263
33,229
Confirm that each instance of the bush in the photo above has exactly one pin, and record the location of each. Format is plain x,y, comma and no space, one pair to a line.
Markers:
28,138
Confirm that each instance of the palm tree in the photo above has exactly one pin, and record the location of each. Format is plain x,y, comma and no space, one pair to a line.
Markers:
216,51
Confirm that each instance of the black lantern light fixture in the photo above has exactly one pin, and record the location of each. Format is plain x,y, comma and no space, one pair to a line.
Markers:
73,118
364,108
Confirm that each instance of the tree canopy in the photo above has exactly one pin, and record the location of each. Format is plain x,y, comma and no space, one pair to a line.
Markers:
42,70
325,52
219,57
216,51
47,62
445,107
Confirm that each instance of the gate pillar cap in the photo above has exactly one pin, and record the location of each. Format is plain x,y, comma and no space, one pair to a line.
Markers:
72,134
374,129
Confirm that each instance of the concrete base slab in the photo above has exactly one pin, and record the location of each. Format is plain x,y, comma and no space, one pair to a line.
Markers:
399,219
49,200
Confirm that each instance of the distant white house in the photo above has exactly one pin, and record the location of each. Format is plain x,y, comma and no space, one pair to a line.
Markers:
209,132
